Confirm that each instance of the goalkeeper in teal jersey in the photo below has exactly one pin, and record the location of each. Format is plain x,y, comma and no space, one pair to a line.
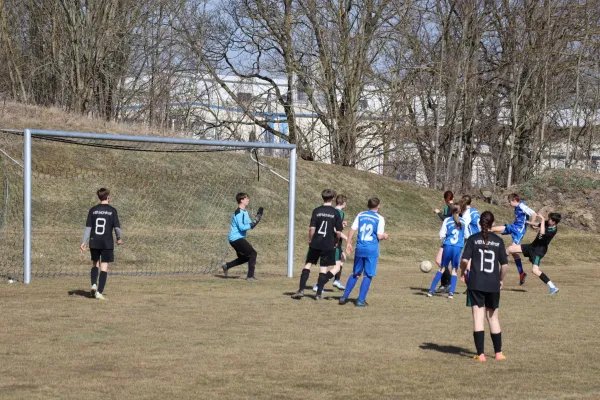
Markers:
240,224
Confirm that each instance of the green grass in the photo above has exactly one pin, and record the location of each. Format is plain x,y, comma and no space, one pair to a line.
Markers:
207,337
201,336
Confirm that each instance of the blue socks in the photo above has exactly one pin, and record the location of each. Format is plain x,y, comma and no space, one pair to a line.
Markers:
519,265
453,283
436,280
364,288
352,279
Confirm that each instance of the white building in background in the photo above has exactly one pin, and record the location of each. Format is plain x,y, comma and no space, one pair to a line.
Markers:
201,107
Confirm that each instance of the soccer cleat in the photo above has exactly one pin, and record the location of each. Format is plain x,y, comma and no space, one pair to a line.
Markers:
480,358
318,297
342,301
450,296
361,304
339,285
522,278
94,290
315,288
553,290
442,289
500,356
429,294
251,279
99,296
225,270
298,295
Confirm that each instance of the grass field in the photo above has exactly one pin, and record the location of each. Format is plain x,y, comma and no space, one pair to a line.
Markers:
204,337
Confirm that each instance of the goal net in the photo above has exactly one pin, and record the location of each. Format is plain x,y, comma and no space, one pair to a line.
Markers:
175,202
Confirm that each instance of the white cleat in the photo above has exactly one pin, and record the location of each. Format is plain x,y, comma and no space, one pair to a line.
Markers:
94,290
99,296
339,285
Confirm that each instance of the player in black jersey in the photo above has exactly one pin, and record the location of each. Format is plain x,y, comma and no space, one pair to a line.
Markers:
487,255
536,250
323,234
101,221
336,272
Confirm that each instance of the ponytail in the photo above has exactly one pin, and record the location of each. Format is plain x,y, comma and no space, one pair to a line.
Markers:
486,221
455,211
463,205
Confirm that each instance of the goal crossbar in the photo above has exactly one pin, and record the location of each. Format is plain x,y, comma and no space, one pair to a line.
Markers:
27,183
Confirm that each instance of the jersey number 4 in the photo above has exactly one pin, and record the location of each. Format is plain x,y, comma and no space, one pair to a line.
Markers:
100,226
323,229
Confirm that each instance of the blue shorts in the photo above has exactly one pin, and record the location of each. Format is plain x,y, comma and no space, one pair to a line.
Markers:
452,255
516,232
366,265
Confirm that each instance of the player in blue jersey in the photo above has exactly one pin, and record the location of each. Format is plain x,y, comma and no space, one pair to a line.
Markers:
523,217
470,215
371,230
240,224
453,233
445,213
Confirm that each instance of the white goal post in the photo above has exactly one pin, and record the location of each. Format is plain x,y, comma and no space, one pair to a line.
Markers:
28,134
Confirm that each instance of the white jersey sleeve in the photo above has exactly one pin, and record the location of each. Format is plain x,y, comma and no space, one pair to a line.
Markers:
467,231
526,209
443,230
381,226
355,223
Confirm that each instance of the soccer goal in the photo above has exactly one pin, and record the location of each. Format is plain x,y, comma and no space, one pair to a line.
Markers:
175,198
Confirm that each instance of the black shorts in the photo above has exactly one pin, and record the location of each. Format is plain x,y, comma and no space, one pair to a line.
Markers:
103,255
489,300
535,254
327,257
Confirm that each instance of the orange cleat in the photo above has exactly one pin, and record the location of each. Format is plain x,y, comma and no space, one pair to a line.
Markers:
480,358
500,356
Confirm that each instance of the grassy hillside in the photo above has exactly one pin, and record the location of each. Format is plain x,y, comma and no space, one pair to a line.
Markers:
175,208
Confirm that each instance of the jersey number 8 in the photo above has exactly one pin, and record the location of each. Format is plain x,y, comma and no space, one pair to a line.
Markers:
100,226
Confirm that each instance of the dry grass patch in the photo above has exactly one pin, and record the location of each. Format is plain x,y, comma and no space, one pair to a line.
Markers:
209,337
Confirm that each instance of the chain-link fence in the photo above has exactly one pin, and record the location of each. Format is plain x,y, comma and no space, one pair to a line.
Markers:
175,203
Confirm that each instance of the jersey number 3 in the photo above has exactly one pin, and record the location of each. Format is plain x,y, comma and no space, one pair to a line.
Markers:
454,238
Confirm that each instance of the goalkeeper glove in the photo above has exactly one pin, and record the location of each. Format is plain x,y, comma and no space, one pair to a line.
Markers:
257,218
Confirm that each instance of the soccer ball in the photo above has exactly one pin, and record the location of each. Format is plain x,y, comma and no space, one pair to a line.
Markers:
425,266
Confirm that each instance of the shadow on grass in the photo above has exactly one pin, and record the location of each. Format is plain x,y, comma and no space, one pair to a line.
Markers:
448,349
514,290
227,277
80,293
419,291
